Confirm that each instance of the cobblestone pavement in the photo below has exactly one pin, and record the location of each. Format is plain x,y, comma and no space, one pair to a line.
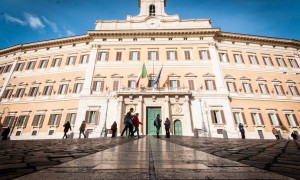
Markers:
282,157
18,158
149,158
152,158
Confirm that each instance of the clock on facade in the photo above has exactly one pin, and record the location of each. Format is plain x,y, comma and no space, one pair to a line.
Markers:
153,23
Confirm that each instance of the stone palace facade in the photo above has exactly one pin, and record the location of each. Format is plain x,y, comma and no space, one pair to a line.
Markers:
210,81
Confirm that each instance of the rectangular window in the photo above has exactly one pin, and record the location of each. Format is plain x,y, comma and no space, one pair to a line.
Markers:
38,121
131,84
294,63
71,117
7,93
231,86
294,91
56,62
267,61
274,118
223,57
187,55
281,62
7,68
239,117
1,69
174,84
247,88
115,85
210,85
43,64
22,121
102,56
191,84
98,86
150,83
71,60
77,88
204,55
47,90
152,55
238,59
19,67
263,88
8,121
279,89
33,91
134,55
92,117
54,120
172,55
63,89
217,117
253,59
119,56
257,119
84,59
30,65
20,92
291,118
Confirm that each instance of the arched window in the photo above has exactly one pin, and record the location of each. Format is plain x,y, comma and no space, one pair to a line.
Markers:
152,10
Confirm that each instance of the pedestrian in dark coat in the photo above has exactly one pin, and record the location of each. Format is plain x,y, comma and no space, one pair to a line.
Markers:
128,123
67,127
167,127
114,129
5,133
157,123
294,136
242,130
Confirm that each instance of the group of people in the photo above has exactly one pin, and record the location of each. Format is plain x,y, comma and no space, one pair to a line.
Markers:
274,131
132,121
67,127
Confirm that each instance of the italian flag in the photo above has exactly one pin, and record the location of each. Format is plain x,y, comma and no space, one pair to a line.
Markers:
143,74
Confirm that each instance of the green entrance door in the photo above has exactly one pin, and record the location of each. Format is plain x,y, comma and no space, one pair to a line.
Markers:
151,115
177,128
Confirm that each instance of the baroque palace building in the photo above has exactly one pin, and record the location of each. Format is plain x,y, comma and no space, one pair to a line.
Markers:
210,81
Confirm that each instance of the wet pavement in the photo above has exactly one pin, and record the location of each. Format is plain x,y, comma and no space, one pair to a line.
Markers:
149,158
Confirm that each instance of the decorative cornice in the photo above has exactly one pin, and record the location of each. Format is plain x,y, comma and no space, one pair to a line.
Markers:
262,40
46,44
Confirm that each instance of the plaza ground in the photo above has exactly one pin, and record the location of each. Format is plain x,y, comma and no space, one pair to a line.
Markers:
150,158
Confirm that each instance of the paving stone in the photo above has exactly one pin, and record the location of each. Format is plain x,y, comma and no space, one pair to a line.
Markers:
12,166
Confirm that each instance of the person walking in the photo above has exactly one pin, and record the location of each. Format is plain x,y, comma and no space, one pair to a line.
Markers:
128,123
136,124
294,136
157,123
167,127
114,129
275,132
67,126
242,130
5,133
82,129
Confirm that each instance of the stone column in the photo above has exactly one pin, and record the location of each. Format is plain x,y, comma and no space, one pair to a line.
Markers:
87,85
120,118
220,83
187,122
141,115
167,115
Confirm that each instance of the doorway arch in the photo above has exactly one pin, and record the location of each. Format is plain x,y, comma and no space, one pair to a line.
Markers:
177,128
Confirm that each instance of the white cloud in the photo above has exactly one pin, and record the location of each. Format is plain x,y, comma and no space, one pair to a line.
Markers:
70,33
52,25
14,20
34,21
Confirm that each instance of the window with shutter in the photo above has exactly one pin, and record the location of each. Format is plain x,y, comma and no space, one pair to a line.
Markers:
119,56
187,55
115,85
191,84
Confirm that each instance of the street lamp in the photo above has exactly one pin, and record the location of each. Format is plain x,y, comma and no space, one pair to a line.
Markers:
104,129
205,106
204,130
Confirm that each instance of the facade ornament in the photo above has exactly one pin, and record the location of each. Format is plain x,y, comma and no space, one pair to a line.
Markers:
97,46
176,109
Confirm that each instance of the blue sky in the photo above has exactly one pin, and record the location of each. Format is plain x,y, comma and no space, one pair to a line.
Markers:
23,21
